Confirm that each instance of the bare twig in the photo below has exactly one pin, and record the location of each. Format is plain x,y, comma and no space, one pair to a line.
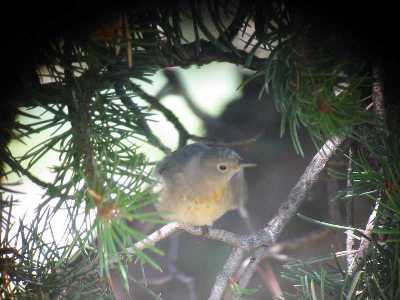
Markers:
365,240
296,243
212,234
157,236
377,94
219,235
227,272
128,41
226,144
349,213
297,195
379,106
270,280
276,251
248,271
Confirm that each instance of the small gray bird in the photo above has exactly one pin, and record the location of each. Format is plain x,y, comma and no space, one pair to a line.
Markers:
198,184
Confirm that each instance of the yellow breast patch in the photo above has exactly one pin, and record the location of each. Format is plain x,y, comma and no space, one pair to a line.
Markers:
200,210
204,210
212,197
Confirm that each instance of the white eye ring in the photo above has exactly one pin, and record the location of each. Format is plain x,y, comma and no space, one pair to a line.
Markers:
222,167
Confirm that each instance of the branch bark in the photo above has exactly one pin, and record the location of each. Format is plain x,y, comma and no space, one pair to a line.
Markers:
379,106
297,195
365,241
232,264
349,213
212,234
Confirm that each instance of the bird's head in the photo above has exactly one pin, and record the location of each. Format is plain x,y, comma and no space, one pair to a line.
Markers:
220,163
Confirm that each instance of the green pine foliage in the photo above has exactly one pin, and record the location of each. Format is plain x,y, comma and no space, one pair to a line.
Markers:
374,178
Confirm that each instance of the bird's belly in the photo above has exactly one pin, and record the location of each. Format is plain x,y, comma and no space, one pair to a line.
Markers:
199,211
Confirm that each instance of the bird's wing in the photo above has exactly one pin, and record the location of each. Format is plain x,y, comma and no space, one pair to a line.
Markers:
174,163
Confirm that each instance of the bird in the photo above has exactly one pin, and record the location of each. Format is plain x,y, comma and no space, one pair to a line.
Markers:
197,184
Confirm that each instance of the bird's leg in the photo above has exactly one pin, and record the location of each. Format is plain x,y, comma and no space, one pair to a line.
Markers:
205,230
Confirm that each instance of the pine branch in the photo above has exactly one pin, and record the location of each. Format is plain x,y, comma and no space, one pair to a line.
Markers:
349,213
275,251
365,240
231,265
212,234
79,115
175,86
233,29
17,166
379,107
270,280
153,139
377,94
169,115
57,92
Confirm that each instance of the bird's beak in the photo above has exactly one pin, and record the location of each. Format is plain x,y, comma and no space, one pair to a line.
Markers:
244,164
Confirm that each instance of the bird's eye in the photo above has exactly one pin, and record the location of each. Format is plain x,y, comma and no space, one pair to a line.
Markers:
222,167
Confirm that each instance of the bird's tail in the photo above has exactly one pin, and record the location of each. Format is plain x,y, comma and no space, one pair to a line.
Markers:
244,215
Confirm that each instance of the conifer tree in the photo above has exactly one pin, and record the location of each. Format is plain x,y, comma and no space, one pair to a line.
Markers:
86,84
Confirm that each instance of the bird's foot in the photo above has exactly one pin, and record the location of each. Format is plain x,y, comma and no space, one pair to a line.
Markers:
205,230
